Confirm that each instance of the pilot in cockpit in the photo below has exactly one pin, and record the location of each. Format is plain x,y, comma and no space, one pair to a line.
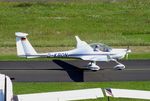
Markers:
96,48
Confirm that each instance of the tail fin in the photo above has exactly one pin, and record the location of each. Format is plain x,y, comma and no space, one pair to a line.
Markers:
24,48
6,91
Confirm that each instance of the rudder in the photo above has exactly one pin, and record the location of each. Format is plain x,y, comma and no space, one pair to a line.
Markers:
24,48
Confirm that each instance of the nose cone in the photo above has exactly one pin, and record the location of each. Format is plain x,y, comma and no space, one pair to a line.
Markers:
120,53
127,53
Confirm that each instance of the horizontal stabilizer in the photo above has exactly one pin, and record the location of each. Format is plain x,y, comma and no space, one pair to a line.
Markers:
20,34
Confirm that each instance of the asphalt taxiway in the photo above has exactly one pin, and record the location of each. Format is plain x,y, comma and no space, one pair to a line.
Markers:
74,70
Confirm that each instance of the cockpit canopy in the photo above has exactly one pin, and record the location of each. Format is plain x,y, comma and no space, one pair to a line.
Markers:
100,47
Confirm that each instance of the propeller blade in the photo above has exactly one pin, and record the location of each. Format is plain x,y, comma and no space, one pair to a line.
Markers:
128,48
127,55
127,51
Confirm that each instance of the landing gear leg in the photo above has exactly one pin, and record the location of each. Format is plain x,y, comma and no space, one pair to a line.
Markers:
92,65
120,66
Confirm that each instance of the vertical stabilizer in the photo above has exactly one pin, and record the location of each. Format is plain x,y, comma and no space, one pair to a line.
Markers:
2,87
8,88
24,48
6,91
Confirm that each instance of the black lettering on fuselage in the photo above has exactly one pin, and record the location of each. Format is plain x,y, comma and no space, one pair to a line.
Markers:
60,55
57,54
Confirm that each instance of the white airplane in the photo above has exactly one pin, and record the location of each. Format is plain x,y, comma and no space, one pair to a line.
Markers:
6,93
84,51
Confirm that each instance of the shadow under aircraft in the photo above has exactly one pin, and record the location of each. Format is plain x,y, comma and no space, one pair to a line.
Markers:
76,74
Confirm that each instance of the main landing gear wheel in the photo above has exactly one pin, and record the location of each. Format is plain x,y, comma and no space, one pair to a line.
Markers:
119,66
92,65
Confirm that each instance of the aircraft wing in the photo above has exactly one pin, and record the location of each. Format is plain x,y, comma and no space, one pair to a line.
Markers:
62,95
95,58
125,93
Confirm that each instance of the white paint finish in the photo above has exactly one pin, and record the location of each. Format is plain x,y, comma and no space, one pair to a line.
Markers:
2,87
63,95
9,94
125,93
23,46
20,34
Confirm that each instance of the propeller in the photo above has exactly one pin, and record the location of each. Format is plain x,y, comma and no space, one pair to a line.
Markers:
127,52
127,56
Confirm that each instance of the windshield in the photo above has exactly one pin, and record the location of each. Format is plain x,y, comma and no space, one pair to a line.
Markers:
100,47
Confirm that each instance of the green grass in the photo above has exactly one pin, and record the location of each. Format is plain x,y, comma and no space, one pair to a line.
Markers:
56,23
139,56
22,88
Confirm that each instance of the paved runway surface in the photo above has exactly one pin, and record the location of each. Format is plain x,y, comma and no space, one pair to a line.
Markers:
74,70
